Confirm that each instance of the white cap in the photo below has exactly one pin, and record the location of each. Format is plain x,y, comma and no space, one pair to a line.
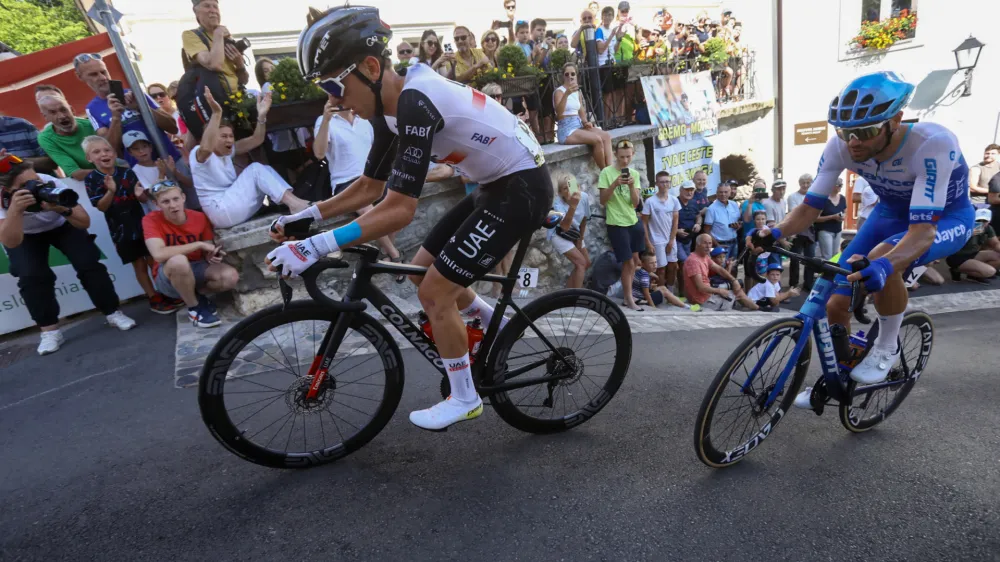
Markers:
688,184
130,137
984,215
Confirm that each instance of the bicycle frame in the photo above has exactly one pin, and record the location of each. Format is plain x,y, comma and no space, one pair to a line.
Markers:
361,288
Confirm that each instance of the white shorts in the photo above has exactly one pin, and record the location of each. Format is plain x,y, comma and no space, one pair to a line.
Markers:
662,257
561,244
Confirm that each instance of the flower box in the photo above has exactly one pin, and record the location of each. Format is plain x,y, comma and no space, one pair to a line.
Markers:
637,71
519,86
294,114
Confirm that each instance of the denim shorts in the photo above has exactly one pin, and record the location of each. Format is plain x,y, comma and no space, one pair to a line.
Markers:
566,126
162,285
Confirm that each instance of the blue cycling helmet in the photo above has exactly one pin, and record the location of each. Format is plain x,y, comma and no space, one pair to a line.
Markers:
869,100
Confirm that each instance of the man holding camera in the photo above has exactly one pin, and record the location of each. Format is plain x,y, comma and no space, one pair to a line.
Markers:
115,111
31,220
213,48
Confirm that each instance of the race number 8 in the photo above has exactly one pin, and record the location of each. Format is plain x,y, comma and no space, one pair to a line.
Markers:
527,277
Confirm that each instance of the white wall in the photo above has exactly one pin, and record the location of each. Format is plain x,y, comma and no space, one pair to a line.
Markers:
816,67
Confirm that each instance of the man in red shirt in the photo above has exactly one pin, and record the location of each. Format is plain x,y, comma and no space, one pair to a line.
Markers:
697,270
188,262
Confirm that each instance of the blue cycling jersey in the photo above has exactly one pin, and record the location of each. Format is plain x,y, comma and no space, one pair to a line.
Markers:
926,176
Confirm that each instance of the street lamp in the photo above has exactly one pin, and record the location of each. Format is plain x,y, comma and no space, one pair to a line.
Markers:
966,57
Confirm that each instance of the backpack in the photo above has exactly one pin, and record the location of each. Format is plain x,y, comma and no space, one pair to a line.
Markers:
191,90
605,271
313,184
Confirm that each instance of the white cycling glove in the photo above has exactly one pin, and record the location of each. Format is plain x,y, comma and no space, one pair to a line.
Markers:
292,258
310,212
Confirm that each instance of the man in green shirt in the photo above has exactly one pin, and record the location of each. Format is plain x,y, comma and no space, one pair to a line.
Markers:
619,188
61,139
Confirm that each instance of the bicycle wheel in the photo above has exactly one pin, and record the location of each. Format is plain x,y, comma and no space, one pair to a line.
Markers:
594,337
252,391
869,408
720,442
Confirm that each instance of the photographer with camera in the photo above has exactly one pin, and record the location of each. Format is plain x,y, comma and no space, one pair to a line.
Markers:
37,212
211,58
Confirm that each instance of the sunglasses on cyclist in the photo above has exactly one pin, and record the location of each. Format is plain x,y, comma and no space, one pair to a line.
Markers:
8,163
861,133
86,57
335,86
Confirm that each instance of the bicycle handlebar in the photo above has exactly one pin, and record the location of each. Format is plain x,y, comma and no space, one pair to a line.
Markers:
817,263
310,279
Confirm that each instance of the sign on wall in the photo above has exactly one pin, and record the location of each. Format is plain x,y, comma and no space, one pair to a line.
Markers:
69,291
683,161
682,106
814,132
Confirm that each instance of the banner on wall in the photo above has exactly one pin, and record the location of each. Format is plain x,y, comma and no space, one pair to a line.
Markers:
682,161
69,292
682,106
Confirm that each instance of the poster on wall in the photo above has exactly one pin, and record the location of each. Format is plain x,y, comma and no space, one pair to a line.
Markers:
682,161
682,106
69,292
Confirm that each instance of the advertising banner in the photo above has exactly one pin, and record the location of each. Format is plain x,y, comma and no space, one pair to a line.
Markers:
682,161
69,292
682,106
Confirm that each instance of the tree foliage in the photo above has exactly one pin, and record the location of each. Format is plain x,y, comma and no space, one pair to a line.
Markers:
32,25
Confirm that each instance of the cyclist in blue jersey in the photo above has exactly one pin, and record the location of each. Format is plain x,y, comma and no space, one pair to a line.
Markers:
924,212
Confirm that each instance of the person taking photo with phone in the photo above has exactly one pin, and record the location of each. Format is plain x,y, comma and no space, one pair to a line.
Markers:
619,189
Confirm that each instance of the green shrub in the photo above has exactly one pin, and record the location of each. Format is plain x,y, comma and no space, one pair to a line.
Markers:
288,85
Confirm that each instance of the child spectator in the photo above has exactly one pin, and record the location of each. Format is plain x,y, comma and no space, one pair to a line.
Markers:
647,290
116,192
148,171
768,294
661,217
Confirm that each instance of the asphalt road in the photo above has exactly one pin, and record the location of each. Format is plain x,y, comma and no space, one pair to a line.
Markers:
119,467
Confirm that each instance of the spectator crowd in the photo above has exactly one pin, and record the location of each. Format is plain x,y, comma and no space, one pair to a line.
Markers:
165,187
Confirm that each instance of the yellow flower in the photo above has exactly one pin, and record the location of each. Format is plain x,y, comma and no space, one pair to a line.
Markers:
281,84
283,96
240,114
239,95
504,76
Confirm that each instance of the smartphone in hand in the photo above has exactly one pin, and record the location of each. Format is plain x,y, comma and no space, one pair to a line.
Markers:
118,90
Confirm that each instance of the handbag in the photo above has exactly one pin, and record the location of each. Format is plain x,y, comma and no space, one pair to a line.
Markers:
573,234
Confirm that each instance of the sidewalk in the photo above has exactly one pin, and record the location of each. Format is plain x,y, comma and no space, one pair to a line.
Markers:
193,344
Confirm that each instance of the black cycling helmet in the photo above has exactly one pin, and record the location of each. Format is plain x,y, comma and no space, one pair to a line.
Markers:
341,37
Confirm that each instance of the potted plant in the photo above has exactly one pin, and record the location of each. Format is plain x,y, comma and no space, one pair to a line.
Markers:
880,35
295,102
517,76
716,54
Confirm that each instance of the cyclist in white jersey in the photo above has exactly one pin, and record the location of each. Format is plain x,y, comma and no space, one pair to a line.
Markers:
420,119
924,213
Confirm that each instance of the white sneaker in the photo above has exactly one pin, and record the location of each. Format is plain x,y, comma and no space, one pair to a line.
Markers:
802,399
51,342
876,365
443,414
120,321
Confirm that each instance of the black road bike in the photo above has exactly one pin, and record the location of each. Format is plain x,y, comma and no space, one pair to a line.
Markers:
307,382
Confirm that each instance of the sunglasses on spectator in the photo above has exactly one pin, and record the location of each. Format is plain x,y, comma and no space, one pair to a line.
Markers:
498,97
490,39
335,86
861,133
8,163
461,37
569,74
405,51
86,57
162,186
510,6
624,144
430,43
158,95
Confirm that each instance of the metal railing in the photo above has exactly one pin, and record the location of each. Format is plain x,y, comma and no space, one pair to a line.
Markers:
613,93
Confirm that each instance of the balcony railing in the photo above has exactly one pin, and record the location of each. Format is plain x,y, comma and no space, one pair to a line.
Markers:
613,93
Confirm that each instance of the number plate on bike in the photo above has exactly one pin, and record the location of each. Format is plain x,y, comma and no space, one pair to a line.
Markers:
527,277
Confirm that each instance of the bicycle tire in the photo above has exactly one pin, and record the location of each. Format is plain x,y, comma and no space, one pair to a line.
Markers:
499,355
924,327
214,374
707,452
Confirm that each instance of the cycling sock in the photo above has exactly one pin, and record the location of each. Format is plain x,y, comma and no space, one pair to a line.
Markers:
460,377
480,309
888,331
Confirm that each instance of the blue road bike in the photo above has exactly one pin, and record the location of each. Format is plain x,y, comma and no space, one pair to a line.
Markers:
757,384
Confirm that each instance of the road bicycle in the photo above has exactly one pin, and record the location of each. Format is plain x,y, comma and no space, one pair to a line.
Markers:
752,392
330,375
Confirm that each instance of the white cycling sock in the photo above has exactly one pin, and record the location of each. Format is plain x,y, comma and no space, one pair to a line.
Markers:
481,309
460,377
888,331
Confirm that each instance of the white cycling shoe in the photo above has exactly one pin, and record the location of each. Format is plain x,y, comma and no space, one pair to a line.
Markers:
876,365
802,399
443,414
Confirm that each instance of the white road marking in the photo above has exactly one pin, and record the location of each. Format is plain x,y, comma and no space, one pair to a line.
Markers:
69,384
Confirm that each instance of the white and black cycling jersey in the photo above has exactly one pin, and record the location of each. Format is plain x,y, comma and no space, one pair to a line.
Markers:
438,120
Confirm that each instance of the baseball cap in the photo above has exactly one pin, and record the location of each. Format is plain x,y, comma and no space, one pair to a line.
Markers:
732,183
718,250
623,6
131,137
779,183
774,267
727,12
688,184
984,215
760,190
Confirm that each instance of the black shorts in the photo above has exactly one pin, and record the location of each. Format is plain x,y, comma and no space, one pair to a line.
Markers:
956,260
478,232
131,250
626,240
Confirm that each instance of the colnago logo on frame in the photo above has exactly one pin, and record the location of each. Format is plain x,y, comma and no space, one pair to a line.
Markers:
413,335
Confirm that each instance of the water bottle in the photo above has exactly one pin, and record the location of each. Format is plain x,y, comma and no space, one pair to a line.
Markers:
475,331
841,344
425,325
